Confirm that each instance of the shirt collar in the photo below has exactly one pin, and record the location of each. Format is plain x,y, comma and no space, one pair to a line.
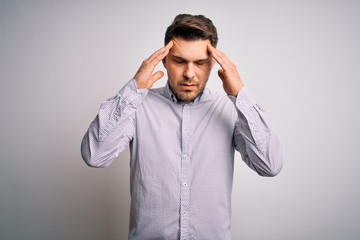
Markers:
170,94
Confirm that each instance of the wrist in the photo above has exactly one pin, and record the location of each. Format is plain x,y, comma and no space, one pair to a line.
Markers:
235,91
140,85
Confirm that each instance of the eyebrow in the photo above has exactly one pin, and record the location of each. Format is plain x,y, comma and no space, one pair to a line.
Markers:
198,60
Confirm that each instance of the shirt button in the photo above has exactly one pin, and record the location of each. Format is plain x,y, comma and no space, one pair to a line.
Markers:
185,184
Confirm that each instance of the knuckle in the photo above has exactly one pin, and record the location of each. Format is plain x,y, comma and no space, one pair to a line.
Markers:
146,63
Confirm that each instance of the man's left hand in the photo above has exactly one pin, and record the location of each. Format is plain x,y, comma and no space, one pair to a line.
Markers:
228,73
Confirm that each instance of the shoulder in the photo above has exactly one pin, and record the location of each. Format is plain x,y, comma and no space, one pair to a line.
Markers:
160,90
213,97
157,93
157,96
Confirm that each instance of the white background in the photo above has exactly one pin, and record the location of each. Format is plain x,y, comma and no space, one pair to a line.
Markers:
60,59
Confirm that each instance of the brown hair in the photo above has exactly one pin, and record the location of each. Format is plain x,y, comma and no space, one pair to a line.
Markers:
192,27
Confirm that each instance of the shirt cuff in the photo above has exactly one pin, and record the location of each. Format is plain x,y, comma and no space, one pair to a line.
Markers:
120,106
244,101
129,94
131,89
246,104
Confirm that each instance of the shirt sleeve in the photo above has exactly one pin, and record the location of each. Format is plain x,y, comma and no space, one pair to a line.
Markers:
254,138
113,127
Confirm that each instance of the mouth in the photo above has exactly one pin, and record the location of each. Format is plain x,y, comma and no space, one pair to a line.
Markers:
188,85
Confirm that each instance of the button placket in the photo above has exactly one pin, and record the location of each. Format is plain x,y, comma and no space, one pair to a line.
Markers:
185,173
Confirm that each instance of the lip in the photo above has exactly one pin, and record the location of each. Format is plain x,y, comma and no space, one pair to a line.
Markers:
188,86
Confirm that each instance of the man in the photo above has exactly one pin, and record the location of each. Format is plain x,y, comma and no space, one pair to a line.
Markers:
182,137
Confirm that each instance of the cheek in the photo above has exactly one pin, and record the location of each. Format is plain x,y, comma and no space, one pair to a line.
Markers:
173,70
205,71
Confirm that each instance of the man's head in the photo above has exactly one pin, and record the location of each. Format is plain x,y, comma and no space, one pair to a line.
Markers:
192,27
189,62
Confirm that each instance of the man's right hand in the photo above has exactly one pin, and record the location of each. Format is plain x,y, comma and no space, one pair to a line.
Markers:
145,77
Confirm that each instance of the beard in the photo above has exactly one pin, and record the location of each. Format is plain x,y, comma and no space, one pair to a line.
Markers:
187,95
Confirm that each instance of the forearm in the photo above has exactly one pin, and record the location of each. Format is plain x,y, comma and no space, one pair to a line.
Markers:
113,128
254,138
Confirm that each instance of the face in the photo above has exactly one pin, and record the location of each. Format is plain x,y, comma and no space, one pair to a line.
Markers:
188,66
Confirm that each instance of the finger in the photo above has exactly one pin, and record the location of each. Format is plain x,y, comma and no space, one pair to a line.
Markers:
220,57
217,52
213,52
160,54
156,76
162,50
221,74
170,44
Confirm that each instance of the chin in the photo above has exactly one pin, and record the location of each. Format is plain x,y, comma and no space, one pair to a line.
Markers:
187,98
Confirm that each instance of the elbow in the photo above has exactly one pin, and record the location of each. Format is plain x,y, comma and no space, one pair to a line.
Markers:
266,165
88,160
87,155
272,170
274,162
92,161
96,160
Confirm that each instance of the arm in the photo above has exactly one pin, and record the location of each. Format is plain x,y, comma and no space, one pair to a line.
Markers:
253,136
114,126
254,139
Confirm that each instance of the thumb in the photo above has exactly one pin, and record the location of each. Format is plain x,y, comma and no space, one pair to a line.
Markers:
156,76
221,73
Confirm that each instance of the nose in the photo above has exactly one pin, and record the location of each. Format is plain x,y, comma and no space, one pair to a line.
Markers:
189,71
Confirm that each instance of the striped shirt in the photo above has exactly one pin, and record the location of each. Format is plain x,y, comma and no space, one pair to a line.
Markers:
182,156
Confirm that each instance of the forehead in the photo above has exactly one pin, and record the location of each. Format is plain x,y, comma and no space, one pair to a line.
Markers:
190,50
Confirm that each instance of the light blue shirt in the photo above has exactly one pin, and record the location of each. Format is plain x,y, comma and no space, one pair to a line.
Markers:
182,157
